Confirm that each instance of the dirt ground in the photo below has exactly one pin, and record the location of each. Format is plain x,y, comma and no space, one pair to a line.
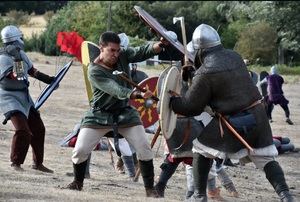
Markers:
65,108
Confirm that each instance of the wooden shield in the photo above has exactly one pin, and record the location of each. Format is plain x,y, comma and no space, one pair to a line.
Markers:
167,117
89,52
161,79
161,31
147,108
48,90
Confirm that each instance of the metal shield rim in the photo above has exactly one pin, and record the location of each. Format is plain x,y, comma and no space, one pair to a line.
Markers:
47,91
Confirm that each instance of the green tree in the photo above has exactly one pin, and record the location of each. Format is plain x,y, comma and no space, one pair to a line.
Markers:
86,18
231,34
257,43
284,16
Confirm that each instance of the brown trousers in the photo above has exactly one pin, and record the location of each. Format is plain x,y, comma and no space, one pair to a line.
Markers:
29,131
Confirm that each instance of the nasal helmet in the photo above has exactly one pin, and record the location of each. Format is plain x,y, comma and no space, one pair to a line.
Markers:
11,33
205,37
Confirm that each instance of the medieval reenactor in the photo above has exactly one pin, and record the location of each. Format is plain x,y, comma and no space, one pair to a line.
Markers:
275,94
190,127
222,82
110,109
16,103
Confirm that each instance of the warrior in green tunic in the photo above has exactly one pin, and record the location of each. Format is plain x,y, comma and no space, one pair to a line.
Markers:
110,108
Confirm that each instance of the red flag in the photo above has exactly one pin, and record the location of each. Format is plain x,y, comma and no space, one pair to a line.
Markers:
70,42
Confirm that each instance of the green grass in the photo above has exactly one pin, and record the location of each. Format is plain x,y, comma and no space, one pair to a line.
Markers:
290,74
282,69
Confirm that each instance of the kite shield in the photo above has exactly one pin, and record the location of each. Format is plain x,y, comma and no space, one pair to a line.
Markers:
50,88
89,52
147,108
167,116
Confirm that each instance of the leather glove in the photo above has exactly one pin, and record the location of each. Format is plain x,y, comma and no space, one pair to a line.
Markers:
187,72
136,95
44,77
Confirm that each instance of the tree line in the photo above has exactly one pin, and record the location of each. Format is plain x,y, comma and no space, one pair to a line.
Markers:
264,32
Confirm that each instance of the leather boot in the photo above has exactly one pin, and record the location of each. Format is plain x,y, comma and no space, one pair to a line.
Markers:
147,172
198,197
201,168
167,170
42,168
79,172
160,188
275,175
285,196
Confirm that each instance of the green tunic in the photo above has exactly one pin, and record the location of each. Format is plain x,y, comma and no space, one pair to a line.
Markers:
111,94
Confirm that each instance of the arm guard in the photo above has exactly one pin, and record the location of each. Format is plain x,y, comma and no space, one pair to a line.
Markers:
44,77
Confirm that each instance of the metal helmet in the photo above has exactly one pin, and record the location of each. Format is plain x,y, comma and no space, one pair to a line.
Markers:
11,33
204,37
190,49
124,40
274,70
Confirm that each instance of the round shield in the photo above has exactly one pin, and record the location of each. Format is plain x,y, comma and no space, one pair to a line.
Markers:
147,107
47,91
167,116
161,79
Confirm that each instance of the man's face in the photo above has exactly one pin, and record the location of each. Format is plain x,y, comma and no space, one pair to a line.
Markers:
110,53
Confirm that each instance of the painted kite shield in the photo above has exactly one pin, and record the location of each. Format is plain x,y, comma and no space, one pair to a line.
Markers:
160,30
89,52
48,90
167,117
147,108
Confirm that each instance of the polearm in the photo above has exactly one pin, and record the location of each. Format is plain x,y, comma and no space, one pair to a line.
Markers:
123,76
181,19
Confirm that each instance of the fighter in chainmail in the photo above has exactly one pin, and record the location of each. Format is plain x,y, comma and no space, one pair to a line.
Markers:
222,82
178,149
16,103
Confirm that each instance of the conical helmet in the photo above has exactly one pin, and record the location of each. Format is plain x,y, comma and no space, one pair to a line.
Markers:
204,37
11,33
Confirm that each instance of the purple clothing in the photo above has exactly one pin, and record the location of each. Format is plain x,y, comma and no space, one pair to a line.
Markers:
275,93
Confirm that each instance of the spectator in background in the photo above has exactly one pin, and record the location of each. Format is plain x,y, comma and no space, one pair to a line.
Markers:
276,95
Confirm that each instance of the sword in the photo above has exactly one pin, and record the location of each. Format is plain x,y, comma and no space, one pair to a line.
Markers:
123,76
